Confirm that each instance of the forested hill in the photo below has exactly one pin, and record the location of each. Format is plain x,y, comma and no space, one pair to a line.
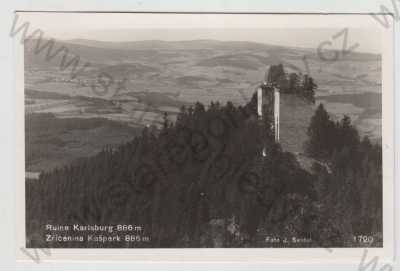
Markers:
201,181
184,184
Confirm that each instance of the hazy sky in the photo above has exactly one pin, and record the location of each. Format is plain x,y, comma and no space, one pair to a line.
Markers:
288,30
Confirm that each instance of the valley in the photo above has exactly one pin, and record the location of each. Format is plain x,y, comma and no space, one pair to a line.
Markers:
72,118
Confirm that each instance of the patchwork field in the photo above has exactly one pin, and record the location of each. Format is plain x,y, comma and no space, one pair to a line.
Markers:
69,118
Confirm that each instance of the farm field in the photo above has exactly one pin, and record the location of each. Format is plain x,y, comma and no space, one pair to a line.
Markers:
153,77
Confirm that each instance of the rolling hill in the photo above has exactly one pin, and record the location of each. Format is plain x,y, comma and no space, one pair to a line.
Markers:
161,76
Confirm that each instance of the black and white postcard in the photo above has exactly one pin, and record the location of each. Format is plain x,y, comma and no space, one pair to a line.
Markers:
223,136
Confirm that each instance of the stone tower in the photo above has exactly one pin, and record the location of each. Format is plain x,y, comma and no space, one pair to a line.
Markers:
268,98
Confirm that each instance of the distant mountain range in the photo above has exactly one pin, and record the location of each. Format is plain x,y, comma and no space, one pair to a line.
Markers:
104,51
203,44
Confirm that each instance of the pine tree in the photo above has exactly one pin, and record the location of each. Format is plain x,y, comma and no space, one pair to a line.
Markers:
308,88
294,83
320,133
165,121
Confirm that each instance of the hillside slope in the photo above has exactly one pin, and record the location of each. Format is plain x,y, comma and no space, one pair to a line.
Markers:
180,184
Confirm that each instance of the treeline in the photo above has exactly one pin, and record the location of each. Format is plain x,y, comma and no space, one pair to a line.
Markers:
293,83
199,182
349,179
